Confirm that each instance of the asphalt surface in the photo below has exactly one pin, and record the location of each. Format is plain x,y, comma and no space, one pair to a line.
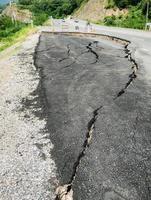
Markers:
81,80
140,40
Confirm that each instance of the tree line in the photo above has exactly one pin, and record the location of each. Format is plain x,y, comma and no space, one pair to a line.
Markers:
136,17
141,4
41,9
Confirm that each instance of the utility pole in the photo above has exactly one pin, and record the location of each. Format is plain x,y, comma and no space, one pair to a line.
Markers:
10,4
13,13
147,14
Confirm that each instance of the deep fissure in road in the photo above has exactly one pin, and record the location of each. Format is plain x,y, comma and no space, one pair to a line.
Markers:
68,53
89,134
89,49
132,76
63,191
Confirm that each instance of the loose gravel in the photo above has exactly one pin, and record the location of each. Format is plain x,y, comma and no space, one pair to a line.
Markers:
27,170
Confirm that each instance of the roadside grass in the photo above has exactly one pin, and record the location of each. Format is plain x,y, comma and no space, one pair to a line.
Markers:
16,37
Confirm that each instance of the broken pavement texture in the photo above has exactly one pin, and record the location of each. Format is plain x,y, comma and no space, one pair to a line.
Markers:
111,164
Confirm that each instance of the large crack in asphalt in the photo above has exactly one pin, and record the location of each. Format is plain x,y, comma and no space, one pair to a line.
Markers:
75,59
132,76
89,134
68,53
65,192
89,50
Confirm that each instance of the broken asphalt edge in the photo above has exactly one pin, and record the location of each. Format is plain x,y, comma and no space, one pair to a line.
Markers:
66,191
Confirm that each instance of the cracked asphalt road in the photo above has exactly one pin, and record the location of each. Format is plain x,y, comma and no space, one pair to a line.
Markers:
78,76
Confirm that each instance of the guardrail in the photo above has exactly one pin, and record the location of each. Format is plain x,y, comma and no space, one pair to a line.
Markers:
68,28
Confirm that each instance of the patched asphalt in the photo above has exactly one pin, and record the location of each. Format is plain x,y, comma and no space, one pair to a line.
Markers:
76,81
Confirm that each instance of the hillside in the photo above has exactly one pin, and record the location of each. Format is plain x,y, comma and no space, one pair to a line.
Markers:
14,25
95,10
22,15
123,13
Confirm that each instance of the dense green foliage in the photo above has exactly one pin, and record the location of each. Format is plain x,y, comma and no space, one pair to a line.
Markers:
16,37
8,27
139,4
41,9
135,17
126,3
144,7
44,8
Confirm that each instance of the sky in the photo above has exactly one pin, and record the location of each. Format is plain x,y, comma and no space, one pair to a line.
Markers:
4,1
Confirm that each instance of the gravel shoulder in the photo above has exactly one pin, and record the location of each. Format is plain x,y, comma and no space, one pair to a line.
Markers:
26,167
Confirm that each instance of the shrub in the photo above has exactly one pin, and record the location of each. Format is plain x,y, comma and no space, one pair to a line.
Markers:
40,18
55,8
110,20
8,28
126,3
134,19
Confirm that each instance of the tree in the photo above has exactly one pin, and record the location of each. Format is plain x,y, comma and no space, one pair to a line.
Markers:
146,8
126,3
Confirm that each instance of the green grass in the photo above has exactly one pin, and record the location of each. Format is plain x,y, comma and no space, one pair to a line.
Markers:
16,37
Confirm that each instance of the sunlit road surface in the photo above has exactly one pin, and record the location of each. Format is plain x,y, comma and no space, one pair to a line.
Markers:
98,102
141,40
